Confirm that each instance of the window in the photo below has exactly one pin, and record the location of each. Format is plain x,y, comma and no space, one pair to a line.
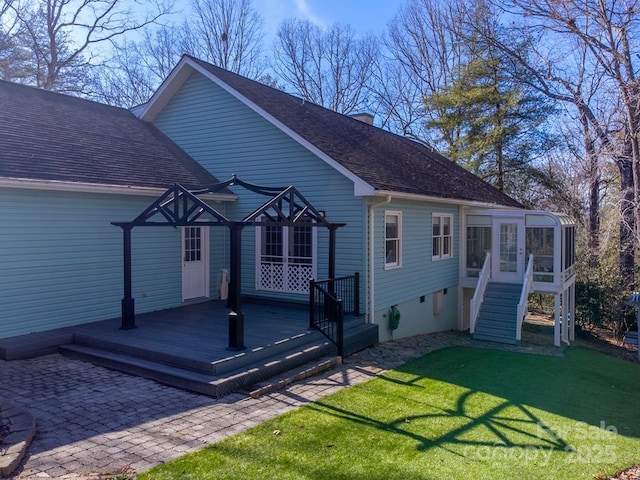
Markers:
540,243
442,244
569,257
286,258
478,244
392,239
192,244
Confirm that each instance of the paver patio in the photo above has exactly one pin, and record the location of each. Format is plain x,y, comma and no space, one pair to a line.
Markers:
93,421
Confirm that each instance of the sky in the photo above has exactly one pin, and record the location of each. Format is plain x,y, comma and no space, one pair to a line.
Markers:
365,16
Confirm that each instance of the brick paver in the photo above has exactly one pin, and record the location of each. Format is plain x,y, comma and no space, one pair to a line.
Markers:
92,421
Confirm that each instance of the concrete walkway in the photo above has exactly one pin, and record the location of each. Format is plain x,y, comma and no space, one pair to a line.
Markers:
93,423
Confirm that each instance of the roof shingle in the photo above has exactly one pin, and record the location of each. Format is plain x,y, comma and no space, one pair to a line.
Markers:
55,137
384,160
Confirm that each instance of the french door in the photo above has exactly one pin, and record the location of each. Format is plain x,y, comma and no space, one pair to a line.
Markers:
285,258
508,250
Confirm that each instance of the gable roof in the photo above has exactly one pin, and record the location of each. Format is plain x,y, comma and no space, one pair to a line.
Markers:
50,137
382,161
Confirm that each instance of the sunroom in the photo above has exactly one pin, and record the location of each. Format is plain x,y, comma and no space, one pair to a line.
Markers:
507,255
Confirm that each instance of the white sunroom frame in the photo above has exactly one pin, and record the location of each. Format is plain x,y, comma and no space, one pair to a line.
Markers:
563,285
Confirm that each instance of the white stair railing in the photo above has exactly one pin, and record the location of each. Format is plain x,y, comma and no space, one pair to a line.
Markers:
478,296
523,306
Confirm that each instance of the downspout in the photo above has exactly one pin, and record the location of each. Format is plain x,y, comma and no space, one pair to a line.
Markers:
372,208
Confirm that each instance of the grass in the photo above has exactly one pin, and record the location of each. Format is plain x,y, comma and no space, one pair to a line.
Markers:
454,413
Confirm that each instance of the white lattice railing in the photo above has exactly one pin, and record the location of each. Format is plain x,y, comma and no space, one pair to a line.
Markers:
281,277
478,295
523,306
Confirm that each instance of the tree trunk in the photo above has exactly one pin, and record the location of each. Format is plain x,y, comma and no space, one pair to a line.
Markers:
627,230
593,169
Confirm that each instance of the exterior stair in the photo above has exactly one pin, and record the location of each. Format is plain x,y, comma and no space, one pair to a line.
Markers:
497,319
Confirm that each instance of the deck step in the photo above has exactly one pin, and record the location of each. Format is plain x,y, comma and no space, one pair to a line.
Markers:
230,363
222,377
295,375
358,336
196,381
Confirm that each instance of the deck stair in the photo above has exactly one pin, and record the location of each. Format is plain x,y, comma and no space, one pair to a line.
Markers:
497,320
219,378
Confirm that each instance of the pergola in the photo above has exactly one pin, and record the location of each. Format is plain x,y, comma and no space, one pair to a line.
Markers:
180,207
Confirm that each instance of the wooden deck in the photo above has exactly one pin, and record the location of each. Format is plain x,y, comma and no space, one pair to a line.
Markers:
187,347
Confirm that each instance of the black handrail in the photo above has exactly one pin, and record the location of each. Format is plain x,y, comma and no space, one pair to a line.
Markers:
329,301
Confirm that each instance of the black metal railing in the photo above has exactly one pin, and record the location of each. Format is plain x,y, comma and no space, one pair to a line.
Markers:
329,301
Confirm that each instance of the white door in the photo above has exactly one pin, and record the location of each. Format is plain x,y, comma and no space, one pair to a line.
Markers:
508,251
195,262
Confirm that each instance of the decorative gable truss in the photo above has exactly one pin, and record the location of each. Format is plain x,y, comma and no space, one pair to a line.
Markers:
180,207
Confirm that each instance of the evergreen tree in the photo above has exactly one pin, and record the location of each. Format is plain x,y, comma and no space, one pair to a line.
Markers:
489,123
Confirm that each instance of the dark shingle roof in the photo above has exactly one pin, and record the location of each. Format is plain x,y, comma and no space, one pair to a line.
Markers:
50,136
382,159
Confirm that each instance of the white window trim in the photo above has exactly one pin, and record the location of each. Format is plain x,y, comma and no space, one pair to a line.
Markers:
285,234
441,216
398,264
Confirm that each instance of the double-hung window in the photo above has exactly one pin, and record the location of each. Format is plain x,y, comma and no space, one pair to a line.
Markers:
392,239
442,237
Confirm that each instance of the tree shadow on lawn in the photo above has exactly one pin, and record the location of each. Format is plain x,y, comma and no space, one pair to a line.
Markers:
496,401
505,425
586,386
454,413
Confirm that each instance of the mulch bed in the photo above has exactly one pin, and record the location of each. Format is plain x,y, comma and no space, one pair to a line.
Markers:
631,473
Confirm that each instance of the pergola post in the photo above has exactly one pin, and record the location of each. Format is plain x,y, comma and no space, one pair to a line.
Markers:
236,316
332,255
128,304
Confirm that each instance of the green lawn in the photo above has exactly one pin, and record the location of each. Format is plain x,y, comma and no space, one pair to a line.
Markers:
456,413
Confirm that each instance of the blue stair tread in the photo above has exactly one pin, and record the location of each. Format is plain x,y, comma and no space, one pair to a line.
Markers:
495,338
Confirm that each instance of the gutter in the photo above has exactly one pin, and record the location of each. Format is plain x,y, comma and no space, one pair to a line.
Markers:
427,198
371,282
58,186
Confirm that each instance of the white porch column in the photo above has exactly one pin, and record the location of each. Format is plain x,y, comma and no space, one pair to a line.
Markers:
565,313
572,308
556,316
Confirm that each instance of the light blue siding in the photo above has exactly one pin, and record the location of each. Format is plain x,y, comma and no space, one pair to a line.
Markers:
228,137
61,260
419,274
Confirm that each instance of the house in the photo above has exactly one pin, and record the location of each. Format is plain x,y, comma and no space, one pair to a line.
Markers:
415,226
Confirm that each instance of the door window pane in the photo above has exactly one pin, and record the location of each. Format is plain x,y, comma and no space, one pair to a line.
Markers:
192,244
509,247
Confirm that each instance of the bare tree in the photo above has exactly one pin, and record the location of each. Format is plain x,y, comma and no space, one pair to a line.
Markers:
332,68
65,35
606,31
396,98
424,41
136,69
14,53
227,33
